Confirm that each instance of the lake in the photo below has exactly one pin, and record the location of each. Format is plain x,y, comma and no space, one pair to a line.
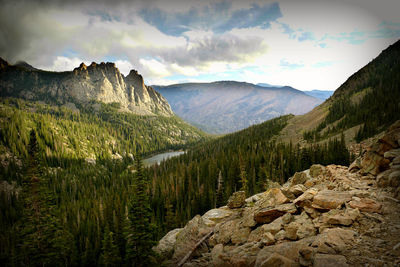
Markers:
156,159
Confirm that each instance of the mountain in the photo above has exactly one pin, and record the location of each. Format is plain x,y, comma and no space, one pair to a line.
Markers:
269,85
297,203
97,82
364,105
228,106
320,94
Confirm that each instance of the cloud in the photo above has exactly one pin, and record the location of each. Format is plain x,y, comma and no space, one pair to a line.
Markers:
124,66
64,64
284,63
217,17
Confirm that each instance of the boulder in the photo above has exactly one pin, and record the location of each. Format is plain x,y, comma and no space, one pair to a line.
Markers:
194,230
244,255
272,197
240,235
306,256
396,161
356,165
366,205
289,250
306,198
317,170
394,179
298,178
267,215
297,190
327,260
277,260
373,163
341,217
248,217
237,200
382,180
165,246
391,154
217,256
223,231
334,240
328,199
300,228
214,216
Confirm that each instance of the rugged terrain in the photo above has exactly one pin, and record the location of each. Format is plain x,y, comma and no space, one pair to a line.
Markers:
97,82
324,216
364,105
228,106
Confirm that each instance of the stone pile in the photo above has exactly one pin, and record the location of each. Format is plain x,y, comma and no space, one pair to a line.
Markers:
324,216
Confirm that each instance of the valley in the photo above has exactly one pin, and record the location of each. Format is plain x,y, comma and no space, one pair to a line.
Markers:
75,192
228,106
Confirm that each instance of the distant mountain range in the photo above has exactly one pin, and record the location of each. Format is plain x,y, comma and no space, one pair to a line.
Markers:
227,106
315,93
320,94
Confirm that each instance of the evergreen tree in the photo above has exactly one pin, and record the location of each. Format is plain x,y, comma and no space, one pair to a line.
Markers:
141,231
110,253
220,191
243,175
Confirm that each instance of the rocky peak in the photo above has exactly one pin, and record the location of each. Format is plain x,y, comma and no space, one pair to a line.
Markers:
325,216
102,82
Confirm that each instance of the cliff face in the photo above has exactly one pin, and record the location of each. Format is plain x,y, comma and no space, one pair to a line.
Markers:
101,82
325,216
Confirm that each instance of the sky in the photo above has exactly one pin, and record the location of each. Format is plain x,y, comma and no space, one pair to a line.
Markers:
315,44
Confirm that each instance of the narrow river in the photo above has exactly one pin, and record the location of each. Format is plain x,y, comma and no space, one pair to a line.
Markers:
156,159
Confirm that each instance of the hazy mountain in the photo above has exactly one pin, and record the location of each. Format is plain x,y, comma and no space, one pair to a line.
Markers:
100,82
320,94
269,85
314,93
228,106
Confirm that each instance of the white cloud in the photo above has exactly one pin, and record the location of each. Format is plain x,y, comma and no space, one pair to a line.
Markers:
124,66
154,68
62,63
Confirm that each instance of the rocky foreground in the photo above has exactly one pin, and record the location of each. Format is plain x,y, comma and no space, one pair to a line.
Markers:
324,216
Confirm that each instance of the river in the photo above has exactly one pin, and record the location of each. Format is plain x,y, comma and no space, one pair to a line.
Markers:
156,159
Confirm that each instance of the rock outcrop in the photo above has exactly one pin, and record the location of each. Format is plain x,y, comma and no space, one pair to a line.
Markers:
326,216
99,82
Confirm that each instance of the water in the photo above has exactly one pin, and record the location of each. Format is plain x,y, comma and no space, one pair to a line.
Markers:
156,159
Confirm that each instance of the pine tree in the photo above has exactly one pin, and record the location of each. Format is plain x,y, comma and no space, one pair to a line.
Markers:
220,191
110,253
141,231
243,174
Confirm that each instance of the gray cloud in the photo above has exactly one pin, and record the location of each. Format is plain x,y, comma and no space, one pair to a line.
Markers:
227,48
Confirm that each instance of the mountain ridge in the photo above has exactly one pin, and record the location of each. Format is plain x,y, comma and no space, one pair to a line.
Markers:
99,82
227,106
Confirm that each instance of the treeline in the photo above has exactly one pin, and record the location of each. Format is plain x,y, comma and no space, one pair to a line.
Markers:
58,209
370,98
208,174
83,215
91,133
